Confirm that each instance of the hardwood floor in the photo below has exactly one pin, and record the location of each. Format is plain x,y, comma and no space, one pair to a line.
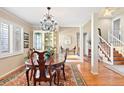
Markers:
105,77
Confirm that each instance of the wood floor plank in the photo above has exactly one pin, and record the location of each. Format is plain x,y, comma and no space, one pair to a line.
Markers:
106,77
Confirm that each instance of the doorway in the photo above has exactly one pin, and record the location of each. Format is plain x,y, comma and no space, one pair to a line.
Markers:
85,47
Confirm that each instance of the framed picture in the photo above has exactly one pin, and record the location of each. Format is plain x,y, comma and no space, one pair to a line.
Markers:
26,40
26,36
67,40
26,44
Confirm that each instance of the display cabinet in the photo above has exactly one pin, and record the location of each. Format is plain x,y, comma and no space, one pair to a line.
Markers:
43,40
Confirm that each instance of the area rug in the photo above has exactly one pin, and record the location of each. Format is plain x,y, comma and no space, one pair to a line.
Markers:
73,78
116,68
79,79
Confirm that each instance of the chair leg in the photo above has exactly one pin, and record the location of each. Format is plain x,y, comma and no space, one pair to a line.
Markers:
31,74
63,69
34,83
27,77
50,81
58,76
39,83
55,78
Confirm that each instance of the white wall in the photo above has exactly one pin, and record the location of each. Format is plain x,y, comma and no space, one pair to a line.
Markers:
10,63
68,32
105,24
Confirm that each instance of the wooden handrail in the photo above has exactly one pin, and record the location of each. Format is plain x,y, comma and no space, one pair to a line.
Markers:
105,53
104,40
107,48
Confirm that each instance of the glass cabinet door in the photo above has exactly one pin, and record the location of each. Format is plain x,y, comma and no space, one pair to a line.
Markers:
44,40
48,39
38,41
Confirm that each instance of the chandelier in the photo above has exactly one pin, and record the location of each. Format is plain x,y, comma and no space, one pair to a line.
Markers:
48,23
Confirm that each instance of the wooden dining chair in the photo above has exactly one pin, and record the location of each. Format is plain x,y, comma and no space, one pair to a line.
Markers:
27,62
41,72
63,65
34,57
61,48
73,50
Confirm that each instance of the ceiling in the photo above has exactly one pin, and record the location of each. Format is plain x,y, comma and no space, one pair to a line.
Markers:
65,16
111,11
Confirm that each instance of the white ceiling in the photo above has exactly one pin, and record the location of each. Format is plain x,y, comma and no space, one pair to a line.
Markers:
65,16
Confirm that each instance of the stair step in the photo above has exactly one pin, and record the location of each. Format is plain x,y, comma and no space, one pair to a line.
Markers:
118,59
119,62
116,52
117,55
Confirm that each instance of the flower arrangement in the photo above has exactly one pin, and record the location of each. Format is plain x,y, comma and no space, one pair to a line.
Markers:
49,53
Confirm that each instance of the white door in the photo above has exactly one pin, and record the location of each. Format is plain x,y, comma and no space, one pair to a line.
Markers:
116,28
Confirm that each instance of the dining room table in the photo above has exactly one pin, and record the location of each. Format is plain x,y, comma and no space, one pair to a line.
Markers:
58,61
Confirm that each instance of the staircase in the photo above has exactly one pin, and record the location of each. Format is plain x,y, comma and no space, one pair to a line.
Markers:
112,52
118,58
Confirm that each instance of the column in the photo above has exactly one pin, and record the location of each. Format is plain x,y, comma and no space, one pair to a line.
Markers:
94,44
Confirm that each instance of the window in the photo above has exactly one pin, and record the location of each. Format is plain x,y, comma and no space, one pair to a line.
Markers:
38,41
11,39
4,38
17,39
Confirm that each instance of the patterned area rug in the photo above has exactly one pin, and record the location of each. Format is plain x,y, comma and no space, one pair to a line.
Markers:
73,78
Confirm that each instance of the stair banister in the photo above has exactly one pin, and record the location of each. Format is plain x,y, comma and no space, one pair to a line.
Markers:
106,48
118,44
112,52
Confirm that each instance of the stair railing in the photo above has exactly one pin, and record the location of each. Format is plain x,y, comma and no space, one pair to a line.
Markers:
106,48
118,44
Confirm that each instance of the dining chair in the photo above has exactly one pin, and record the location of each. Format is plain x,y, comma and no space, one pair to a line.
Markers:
72,50
41,72
61,48
27,62
63,65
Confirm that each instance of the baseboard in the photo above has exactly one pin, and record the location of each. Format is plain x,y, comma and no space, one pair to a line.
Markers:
14,71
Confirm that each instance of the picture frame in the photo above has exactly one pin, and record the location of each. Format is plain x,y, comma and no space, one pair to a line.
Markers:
26,44
26,36
67,40
26,40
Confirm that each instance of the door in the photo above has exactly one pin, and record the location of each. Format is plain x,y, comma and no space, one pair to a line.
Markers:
116,28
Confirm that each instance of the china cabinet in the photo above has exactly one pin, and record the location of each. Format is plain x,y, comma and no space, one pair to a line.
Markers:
42,40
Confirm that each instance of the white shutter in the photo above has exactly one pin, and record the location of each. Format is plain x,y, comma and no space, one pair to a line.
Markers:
17,39
4,38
